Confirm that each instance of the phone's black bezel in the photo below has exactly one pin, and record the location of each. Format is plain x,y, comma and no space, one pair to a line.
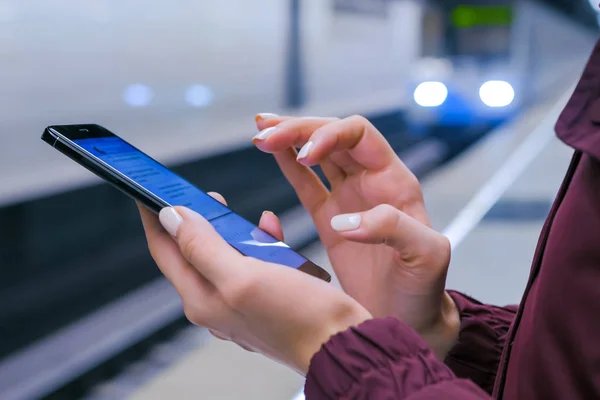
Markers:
61,137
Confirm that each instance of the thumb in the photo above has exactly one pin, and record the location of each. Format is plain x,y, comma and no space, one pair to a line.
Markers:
200,244
388,225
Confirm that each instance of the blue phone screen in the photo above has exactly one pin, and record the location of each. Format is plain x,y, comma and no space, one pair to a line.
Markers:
156,178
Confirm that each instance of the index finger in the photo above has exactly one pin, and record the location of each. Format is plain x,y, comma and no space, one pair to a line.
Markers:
267,120
364,143
291,132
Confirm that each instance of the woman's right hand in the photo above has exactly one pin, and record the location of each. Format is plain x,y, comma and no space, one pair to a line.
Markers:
372,222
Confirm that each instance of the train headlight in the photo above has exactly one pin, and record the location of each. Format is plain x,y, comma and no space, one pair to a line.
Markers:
496,93
430,94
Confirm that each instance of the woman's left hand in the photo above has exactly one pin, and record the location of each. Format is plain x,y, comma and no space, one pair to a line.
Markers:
268,308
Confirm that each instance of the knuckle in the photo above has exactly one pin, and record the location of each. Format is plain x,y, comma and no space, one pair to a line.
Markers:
385,222
385,211
414,189
442,249
362,126
411,193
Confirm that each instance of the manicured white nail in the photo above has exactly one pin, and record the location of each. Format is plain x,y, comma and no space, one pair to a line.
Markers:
265,133
305,150
265,115
170,220
345,222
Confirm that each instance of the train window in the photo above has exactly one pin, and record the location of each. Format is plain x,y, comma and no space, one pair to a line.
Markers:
455,30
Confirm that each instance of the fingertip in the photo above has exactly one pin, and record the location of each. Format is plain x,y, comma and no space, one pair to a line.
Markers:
263,135
170,219
270,223
346,222
219,197
306,161
264,116
306,155
187,213
266,120
266,146
258,142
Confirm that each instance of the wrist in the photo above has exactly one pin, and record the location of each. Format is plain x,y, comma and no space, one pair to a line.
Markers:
352,318
443,335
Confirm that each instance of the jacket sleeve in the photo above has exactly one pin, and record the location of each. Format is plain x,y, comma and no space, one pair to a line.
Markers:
481,340
383,359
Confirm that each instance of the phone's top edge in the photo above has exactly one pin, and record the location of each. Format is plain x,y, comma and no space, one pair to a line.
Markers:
69,130
49,136
57,127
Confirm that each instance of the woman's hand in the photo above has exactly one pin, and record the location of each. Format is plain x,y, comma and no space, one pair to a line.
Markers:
262,307
373,222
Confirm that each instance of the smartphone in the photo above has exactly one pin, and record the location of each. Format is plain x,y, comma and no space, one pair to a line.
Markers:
155,186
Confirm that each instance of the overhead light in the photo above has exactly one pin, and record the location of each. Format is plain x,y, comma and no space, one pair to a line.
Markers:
199,96
496,93
137,95
430,94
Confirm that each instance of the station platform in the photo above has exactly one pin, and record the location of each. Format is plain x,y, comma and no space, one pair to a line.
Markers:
491,202
187,81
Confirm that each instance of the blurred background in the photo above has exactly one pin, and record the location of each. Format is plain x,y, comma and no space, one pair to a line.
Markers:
466,92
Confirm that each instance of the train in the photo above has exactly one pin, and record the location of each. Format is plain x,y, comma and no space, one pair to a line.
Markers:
469,71
480,59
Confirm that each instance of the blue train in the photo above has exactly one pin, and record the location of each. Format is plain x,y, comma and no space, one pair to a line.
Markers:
468,73
478,59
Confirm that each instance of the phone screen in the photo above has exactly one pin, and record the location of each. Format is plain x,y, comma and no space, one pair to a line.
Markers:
176,191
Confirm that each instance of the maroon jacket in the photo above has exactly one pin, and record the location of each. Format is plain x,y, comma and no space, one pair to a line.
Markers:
548,348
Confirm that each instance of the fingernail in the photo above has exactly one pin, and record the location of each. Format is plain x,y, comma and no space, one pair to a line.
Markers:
265,116
265,133
170,220
305,150
267,212
345,222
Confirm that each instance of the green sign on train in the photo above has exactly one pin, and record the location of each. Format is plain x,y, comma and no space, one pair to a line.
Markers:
466,16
